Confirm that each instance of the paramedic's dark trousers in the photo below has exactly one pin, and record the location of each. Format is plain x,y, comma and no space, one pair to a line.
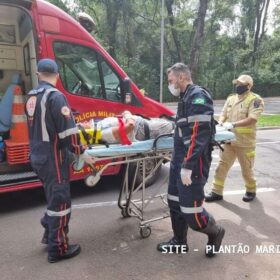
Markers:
185,202
55,178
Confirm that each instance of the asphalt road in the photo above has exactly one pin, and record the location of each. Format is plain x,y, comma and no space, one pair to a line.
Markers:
113,249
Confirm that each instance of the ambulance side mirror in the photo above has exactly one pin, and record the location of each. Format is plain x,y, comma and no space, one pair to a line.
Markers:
128,96
126,91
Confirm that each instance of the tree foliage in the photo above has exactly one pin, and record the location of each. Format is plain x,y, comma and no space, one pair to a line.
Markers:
218,39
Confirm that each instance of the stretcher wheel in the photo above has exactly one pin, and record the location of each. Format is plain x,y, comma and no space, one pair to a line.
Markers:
145,231
89,181
126,212
77,165
92,180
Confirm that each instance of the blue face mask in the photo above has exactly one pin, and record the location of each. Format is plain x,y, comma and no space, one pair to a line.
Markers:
241,89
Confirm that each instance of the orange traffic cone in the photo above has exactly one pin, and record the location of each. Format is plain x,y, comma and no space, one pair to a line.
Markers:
19,130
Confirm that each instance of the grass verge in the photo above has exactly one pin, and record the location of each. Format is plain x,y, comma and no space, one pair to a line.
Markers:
269,120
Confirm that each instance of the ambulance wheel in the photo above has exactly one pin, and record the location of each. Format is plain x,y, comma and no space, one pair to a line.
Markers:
145,231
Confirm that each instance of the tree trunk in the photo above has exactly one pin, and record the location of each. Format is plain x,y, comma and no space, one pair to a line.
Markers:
113,8
261,17
169,4
264,20
197,38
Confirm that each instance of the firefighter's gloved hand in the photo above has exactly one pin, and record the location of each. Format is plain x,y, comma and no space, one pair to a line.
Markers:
228,125
87,158
186,176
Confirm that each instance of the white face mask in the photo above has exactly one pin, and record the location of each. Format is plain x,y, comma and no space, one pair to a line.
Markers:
174,91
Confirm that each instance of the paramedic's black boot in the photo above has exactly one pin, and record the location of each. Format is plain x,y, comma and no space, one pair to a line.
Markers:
73,250
45,237
215,236
210,197
249,196
178,243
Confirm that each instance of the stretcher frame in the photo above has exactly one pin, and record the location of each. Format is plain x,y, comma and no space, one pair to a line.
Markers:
129,206
136,207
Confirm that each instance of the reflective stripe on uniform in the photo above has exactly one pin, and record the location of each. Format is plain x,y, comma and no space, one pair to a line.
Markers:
251,186
45,134
243,130
186,210
199,118
191,210
187,142
173,197
218,182
251,154
68,132
181,120
58,214
180,132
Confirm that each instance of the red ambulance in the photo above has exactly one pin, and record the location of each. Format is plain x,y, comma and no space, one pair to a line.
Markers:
94,84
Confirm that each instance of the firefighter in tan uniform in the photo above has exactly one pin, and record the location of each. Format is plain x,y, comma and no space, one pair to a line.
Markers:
240,114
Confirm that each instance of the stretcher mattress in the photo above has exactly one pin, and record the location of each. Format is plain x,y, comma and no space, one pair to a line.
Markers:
161,144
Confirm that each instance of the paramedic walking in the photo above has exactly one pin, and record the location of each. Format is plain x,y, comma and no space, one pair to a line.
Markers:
53,134
190,163
240,114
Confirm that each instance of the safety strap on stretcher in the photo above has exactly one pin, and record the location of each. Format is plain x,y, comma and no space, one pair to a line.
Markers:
123,137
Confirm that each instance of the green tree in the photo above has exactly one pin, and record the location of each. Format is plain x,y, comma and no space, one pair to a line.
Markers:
218,39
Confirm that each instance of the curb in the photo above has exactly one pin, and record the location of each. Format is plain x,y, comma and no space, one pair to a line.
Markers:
268,127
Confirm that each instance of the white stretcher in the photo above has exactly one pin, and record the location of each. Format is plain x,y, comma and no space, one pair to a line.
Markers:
138,153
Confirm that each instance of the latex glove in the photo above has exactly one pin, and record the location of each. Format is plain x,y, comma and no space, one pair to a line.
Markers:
87,158
186,176
228,125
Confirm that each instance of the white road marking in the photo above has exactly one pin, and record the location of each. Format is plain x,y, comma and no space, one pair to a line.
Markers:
265,143
259,190
94,205
114,203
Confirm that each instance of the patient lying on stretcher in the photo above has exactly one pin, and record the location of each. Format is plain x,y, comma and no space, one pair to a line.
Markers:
126,129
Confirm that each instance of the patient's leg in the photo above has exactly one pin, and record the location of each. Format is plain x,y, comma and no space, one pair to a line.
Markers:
111,135
107,136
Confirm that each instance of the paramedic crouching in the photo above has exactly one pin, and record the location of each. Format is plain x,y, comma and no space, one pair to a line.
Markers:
53,135
190,164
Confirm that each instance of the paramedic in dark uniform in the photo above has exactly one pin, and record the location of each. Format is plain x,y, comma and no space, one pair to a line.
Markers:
53,135
189,167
